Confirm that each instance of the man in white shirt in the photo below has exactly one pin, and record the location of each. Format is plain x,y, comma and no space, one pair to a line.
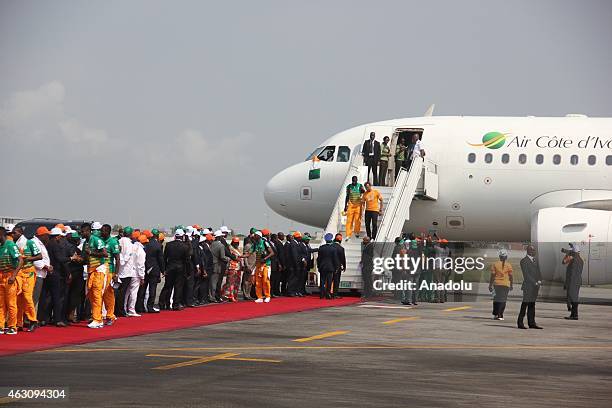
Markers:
125,270
42,266
138,273
417,149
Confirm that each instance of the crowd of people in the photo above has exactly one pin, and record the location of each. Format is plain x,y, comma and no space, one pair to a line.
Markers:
376,156
62,276
501,280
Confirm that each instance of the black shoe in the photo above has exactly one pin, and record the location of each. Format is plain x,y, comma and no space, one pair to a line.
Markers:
571,317
535,326
406,303
521,326
153,311
177,308
42,323
61,324
191,305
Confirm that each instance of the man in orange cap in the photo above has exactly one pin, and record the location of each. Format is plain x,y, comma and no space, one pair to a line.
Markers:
154,268
42,266
296,264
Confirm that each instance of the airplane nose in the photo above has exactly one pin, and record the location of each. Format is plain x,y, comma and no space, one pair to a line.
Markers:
275,193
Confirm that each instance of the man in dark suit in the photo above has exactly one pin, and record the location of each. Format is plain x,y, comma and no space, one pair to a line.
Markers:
341,266
371,156
327,263
532,280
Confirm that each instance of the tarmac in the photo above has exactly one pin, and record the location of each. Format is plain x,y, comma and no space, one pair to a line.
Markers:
374,354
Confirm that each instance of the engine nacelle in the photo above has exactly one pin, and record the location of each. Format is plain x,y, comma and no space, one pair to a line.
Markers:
553,228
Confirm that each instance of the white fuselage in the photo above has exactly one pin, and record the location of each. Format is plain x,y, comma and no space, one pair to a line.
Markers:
486,200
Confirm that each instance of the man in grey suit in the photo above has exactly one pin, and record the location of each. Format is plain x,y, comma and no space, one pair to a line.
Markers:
532,280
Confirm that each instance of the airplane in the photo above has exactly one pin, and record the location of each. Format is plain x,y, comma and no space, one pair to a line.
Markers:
502,179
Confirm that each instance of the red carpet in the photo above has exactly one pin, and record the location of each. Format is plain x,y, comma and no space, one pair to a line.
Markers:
52,337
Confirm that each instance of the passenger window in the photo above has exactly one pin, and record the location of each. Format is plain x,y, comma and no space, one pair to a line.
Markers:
574,159
327,154
609,160
505,158
539,159
472,157
488,158
557,159
344,154
592,159
522,158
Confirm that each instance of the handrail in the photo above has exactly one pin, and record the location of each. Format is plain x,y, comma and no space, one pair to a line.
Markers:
406,184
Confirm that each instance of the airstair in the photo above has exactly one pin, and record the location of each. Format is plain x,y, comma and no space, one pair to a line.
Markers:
419,182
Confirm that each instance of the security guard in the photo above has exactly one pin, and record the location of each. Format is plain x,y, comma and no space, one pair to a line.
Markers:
11,262
176,256
573,278
341,267
327,264
353,206
532,279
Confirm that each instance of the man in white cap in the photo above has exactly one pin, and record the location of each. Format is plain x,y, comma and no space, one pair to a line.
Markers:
501,283
51,302
220,261
176,256
263,252
573,278
192,267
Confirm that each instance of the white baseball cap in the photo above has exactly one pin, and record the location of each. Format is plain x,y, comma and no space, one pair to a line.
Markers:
258,232
218,233
179,233
9,227
67,230
503,252
96,225
576,247
56,231
206,231
225,229
189,230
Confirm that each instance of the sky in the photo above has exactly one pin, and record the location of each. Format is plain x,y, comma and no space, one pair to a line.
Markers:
150,113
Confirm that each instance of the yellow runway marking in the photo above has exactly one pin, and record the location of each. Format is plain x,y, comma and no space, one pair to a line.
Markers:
193,360
401,319
196,360
453,309
321,336
6,400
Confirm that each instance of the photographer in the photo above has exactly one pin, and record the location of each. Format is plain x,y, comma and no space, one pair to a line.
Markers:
573,278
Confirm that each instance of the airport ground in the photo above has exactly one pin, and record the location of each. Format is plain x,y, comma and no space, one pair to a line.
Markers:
372,354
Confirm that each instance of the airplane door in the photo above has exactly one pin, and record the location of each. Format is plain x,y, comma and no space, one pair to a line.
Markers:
380,132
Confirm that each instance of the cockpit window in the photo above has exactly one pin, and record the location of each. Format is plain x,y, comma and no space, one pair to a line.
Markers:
315,153
327,154
344,154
